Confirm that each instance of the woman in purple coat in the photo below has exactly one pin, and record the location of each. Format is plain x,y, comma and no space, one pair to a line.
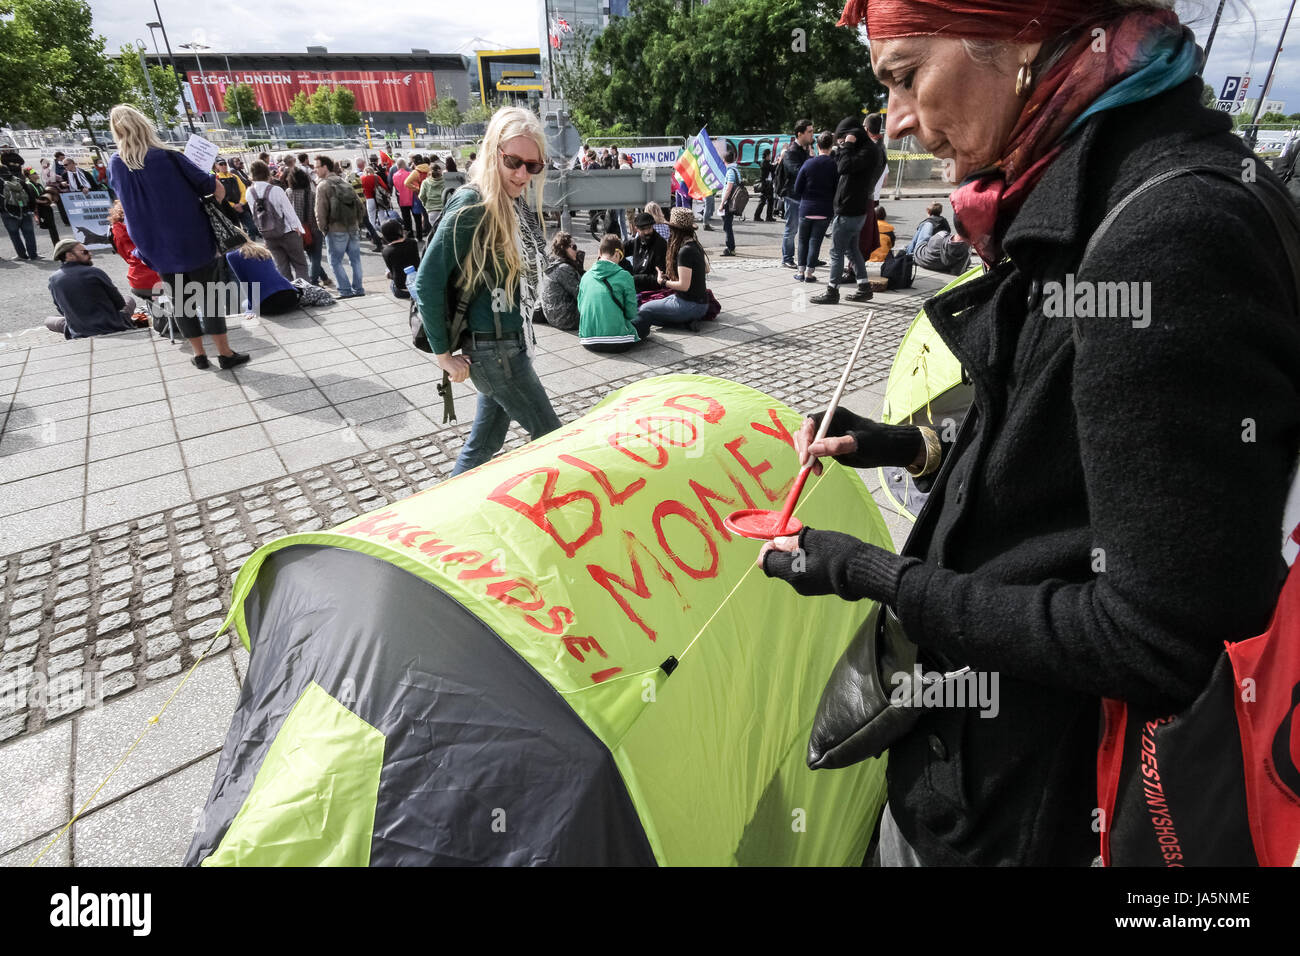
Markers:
161,194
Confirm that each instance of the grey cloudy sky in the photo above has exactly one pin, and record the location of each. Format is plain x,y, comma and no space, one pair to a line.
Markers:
1245,41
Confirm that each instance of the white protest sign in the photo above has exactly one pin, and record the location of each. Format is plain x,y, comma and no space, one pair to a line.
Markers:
88,217
201,152
653,155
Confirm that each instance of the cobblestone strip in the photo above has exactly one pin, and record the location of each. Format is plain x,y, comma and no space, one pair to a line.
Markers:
92,617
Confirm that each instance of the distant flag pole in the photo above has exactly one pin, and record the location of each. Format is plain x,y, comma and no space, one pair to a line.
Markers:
700,167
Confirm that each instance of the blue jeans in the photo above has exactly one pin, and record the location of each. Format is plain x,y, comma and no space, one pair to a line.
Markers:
349,243
672,310
923,232
727,217
508,390
791,230
708,209
844,239
811,233
22,224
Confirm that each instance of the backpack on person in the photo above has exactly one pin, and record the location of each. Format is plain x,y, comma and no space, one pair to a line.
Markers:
457,327
344,207
270,222
738,199
780,179
14,197
898,269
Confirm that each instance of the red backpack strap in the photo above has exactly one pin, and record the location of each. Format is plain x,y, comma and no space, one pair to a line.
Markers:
1110,762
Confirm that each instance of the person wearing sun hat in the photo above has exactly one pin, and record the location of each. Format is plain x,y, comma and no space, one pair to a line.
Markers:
683,274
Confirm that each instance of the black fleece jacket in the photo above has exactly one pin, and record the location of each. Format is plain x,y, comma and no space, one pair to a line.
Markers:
1111,512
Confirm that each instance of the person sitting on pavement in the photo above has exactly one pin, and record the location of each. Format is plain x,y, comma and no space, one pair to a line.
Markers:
943,252
255,270
607,304
646,254
140,279
88,302
886,246
399,252
932,223
560,283
661,224
683,276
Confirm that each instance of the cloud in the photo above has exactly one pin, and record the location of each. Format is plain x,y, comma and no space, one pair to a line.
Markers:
346,26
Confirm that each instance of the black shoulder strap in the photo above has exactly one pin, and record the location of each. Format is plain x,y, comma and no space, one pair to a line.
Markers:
612,294
1276,202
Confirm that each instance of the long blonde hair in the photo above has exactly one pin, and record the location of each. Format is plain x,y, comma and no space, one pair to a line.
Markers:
496,238
134,133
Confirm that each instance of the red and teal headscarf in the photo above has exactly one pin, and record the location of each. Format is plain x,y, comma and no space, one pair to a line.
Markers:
1146,52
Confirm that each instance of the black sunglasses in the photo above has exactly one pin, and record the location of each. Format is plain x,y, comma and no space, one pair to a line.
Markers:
514,162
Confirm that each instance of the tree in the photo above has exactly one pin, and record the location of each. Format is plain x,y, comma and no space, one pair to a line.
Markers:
53,68
345,107
320,106
1208,97
664,65
831,101
444,112
575,72
300,107
1276,119
135,88
478,113
241,105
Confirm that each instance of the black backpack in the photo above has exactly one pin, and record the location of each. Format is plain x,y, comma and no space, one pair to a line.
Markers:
14,194
899,270
780,179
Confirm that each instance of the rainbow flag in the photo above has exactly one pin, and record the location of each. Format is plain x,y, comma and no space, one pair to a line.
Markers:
700,167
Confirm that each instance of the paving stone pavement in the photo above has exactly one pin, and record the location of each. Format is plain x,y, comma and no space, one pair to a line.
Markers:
128,606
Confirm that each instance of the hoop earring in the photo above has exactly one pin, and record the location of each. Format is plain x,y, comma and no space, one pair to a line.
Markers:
1024,78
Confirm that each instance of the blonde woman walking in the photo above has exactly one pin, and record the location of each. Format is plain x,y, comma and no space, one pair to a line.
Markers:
489,247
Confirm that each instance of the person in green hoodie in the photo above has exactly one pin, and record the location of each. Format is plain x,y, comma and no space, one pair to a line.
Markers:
489,250
607,319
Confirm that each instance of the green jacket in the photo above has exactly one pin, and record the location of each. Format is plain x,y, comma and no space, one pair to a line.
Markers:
606,311
440,268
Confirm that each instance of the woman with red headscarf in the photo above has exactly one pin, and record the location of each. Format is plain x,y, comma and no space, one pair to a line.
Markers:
1086,534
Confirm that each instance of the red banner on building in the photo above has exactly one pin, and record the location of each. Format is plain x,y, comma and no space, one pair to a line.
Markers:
378,91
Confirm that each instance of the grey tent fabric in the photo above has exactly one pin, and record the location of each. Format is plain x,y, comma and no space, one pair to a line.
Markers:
484,763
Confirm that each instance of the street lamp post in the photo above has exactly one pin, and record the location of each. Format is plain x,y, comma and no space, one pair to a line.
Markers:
195,47
189,116
1253,129
140,49
230,76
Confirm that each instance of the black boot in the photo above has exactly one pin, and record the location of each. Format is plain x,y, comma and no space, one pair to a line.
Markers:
830,297
864,293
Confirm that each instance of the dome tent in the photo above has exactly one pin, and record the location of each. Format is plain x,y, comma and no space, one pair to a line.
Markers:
925,387
559,657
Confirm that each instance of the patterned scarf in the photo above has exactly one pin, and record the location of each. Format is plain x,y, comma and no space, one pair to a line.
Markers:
532,254
1146,52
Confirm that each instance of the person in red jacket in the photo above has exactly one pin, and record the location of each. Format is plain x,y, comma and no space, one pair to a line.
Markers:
141,279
